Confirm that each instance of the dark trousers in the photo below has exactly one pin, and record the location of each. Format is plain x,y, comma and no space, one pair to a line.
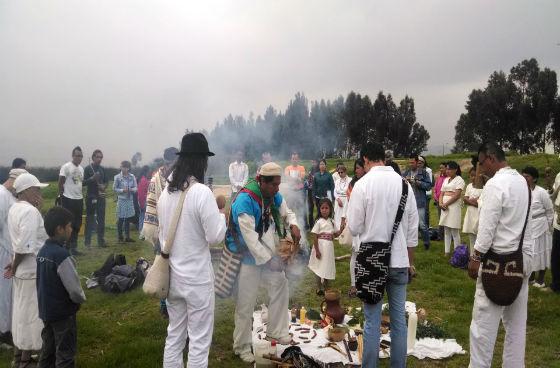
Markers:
95,208
555,261
76,206
59,344
123,224
310,207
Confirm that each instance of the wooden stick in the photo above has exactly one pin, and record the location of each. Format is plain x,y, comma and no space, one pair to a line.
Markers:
347,351
360,346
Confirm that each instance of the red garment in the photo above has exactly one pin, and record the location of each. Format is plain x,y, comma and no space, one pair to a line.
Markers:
437,187
143,191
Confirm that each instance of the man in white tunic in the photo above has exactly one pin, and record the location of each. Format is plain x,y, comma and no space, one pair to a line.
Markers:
258,215
371,216
6,255
505,199
28,235
190,302
238,173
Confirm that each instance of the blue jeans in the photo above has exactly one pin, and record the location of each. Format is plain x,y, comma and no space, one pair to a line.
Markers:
423,226
396,293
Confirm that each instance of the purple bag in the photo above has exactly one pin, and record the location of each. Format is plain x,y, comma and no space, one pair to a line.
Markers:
460,257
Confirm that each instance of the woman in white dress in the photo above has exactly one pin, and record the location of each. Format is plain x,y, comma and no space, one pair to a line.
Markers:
470,223
542,215
340,195
28,235
450,205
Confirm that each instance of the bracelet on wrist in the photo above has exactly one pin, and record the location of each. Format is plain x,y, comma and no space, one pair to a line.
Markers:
476,258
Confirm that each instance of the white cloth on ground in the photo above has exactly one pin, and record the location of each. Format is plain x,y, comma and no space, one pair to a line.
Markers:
452,216
6,257
470,223
276,284
325,267
372,209
74,176
191,313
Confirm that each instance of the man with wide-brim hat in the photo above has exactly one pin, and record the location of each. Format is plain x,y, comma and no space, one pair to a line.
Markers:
190,302
27,233
259,218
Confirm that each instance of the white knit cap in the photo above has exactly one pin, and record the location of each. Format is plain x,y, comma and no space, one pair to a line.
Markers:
271,169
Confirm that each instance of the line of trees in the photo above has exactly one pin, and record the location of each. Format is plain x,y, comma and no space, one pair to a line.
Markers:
324,128
520,110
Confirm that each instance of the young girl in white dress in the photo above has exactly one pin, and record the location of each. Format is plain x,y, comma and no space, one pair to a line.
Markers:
451,206
321,261
470,223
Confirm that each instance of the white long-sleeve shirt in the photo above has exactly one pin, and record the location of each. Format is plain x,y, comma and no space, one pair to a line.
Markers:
503,209
263,250
200,225
372,209
238,175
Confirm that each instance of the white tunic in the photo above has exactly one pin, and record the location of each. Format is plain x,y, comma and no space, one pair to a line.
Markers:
200,224
28,236
238,175
503,207
556,203
324,267
452,216
6,256
542,215
470,223
340,192
372,209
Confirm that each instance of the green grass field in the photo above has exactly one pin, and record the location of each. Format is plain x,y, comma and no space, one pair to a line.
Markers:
127,331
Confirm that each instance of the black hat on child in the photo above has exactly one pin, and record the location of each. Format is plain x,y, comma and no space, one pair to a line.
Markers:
194,144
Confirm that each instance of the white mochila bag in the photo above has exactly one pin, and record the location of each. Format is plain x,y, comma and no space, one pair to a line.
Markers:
156,283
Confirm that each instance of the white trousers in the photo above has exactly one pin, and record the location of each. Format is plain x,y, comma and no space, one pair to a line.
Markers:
248,282
191,313
484,329
448,234
472,240
5,293
352,266
339,211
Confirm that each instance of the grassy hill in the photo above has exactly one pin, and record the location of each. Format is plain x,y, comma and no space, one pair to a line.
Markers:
127,331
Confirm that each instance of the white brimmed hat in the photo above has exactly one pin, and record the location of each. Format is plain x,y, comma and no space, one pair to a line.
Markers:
271,169
26,181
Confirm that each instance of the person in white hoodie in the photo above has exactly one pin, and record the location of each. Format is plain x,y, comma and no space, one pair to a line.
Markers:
190,302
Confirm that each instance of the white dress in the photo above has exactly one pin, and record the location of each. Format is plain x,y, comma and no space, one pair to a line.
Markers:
542,216
340,192
6,256
28,236
470,223
325,267
452,217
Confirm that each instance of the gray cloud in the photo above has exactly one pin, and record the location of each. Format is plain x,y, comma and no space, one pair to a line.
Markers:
128,76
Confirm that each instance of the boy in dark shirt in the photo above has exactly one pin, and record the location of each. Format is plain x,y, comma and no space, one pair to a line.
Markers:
59,292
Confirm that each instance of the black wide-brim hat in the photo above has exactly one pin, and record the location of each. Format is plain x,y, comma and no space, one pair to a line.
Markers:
194,144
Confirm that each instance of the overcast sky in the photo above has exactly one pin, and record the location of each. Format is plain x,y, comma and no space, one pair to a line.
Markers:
128,76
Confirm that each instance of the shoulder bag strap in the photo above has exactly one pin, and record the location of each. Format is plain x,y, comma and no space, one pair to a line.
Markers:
526,220
174,221
400,210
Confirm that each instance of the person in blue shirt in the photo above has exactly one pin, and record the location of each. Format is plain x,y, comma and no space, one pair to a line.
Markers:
420,181
59,292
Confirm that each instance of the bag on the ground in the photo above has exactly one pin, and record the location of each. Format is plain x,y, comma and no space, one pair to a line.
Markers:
502,274
115,283
372,261
111,261
156,283
460,257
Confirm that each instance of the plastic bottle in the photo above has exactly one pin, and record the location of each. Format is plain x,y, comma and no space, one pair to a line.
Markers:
302,314
273,349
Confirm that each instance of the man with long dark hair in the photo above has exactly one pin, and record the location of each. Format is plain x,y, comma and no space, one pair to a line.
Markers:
258,218
190,302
